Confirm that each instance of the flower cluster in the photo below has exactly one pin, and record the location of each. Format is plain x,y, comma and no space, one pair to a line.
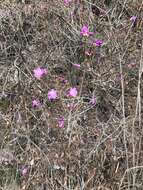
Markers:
86,33
72,92
52,93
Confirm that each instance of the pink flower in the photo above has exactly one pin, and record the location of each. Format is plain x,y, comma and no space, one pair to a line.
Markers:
61,122
76,65
52,94
65,81
73,92
36,103
24,171
39,72
133,18
98,42
66,2
85,31
119,77
93,101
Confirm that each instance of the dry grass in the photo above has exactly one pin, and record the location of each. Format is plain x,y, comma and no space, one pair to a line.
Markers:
100,147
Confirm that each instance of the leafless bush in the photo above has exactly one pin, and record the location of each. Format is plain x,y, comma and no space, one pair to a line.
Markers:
100,146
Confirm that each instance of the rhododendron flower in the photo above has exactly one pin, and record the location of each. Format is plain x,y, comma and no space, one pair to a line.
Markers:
93,101
73,92
76,65
98,42
36,103
61,122
119,77
24,171
39,72
85,31
66,2
65,81
52,94
133,18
